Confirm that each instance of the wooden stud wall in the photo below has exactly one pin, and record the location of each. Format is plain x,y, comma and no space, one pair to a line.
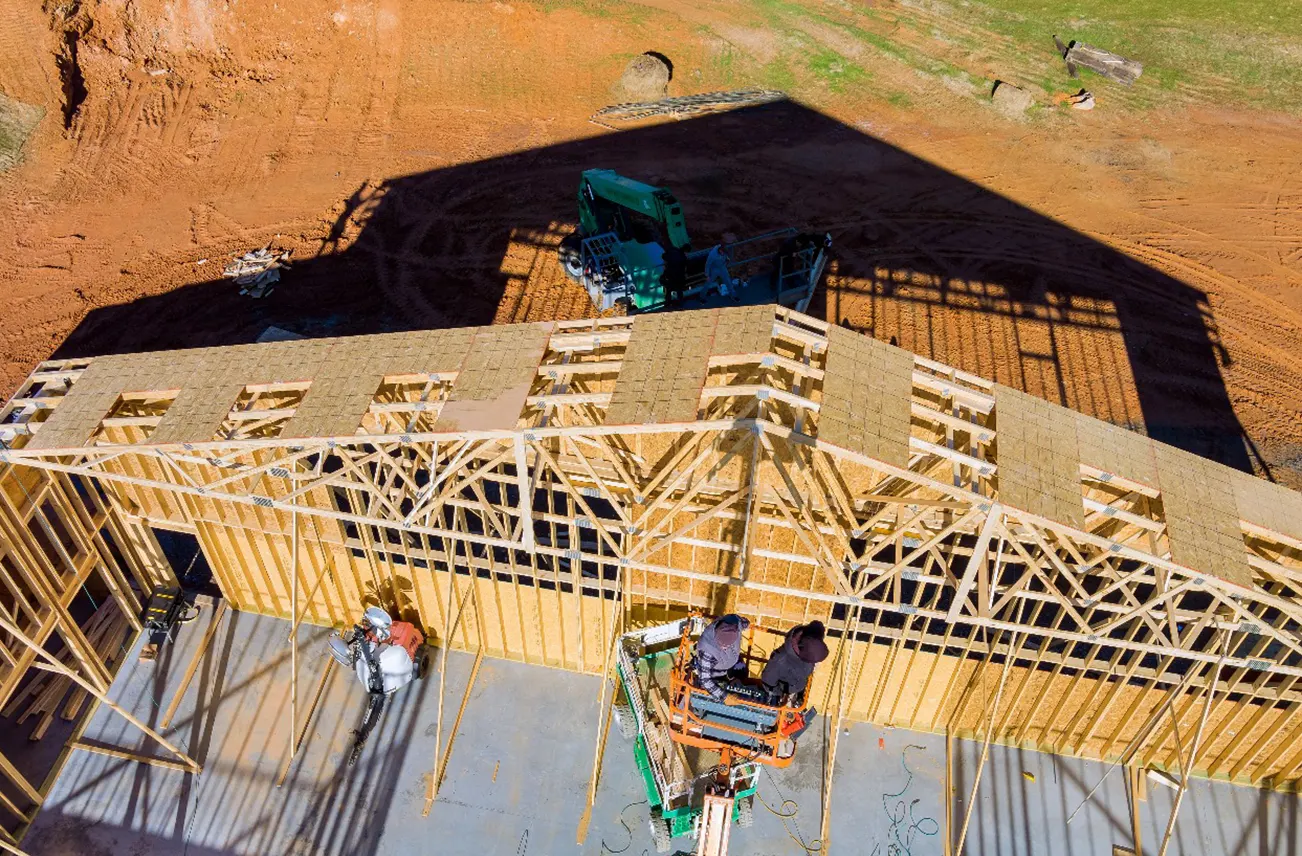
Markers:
59,534
533,540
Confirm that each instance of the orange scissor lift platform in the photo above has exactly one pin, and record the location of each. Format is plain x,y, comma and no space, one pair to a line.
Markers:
691,749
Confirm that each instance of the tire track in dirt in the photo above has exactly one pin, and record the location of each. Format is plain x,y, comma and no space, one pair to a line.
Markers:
384,79
27,73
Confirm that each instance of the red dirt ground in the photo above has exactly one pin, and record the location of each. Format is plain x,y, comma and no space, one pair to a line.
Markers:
419,157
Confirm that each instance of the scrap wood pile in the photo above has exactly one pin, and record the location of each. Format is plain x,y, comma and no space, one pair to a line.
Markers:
257,271
106,631
686,105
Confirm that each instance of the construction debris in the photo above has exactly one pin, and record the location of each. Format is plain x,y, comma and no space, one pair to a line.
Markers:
686,105
1110,65
258,271
106,631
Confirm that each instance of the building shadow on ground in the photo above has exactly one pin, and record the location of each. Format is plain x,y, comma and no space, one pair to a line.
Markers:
922,257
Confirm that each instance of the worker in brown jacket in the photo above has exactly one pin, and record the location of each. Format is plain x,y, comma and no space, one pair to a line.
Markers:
788,669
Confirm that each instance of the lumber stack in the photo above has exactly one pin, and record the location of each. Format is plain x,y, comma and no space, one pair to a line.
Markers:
41,698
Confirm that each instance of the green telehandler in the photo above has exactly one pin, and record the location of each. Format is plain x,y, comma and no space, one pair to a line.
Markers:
632,250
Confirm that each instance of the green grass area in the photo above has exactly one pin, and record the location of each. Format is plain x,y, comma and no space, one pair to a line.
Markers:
834,70
17,121
724,65
1282,17
1230,52
1242,52
1250,44
778,75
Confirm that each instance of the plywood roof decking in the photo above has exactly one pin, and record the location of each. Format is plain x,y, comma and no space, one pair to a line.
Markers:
864,407
344,375
1269,506
867,389
348,379
1202,515
494,381
1115,450
1039,458
664,368
745,330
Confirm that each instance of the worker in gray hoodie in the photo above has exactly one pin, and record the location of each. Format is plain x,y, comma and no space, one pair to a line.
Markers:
718,655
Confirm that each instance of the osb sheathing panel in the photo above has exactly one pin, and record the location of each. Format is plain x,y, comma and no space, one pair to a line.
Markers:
349,370
744,330
546,627
1202,515
664,368
867,388
1115,450
1270,506
1039,459
490,391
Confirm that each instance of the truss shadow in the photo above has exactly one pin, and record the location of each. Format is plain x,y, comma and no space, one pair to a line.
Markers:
940,265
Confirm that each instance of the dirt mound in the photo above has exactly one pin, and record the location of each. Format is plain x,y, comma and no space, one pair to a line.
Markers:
645,78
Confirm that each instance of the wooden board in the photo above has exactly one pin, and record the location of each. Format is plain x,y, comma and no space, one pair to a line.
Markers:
744,330
495,379
1270,506
664,368
866,390
1039,459
1115,450
1106,63
1202,516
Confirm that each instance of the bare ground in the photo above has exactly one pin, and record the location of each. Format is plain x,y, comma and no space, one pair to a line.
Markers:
1143,264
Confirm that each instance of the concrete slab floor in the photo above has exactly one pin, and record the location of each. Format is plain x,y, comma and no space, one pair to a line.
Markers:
516,781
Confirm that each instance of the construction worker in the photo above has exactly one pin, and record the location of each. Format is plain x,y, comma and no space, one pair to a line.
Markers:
788,669
674,277
718,656
717,273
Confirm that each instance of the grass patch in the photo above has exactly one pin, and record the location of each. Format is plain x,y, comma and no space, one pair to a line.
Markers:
1244,52
778,75
723,65
17,121
1252,45
834,70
